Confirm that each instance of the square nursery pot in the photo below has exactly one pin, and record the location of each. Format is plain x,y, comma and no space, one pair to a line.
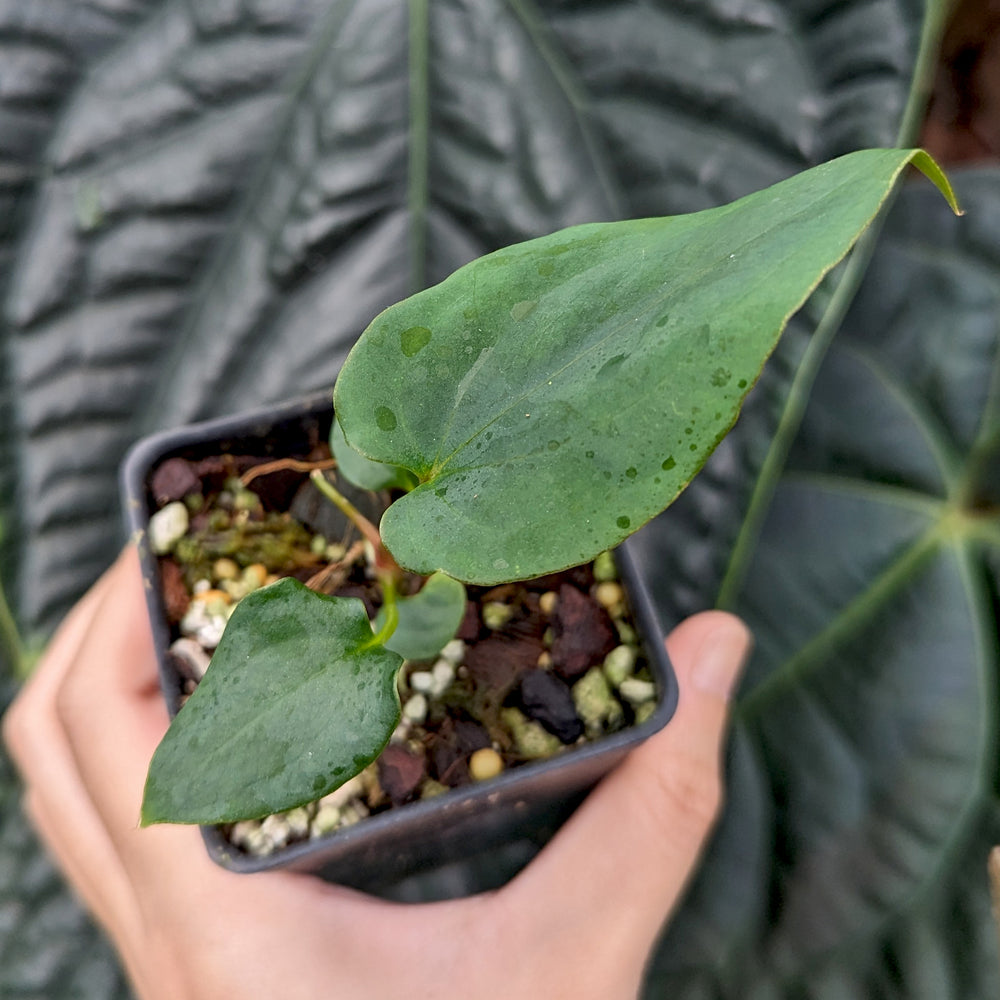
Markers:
468,839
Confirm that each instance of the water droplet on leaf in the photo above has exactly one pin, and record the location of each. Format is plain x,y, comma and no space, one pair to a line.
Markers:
413,340
612,363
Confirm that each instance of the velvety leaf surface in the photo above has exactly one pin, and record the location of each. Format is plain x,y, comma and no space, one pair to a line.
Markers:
257,736
644,338
870,702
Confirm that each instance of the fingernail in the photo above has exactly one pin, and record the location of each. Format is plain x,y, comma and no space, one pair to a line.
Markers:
721,657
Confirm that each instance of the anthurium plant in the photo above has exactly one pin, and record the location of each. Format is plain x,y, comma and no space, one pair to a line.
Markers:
534,409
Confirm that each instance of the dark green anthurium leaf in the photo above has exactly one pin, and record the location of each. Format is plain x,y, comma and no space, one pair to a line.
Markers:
363,471
297,700
554,396
870,700
427,620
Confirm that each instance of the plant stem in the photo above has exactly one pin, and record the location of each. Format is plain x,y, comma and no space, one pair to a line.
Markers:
419,56
993,868
345,506
279,465
391,611
766,484
387,569
10,640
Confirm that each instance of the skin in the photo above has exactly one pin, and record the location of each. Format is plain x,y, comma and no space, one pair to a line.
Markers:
82,733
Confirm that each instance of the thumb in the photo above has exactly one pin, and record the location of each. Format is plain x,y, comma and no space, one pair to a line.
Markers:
617,869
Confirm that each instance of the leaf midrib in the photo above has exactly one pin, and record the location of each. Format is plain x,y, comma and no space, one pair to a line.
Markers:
949,530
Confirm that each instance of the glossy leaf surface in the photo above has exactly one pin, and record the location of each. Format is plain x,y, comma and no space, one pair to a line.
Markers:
296,701
363,472
554,396
870,702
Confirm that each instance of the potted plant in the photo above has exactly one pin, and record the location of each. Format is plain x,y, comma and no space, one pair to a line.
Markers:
535,409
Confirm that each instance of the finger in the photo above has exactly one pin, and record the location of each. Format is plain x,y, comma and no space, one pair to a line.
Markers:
56,800
114,715
109,703
617,869
25,724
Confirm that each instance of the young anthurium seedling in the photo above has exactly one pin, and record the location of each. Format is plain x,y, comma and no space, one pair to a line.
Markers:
538,406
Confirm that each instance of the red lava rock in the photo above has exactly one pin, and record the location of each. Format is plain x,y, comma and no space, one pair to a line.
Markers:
547,699
471,625
174,480
175,593
495,664
583,631
214,471
452,746
400,772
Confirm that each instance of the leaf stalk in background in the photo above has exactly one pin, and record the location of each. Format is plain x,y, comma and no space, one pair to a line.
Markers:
932,31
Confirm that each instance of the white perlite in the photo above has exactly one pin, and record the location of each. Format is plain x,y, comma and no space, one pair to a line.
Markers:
191,659
167,527
433,682
454,652
415,709
203,625
637,691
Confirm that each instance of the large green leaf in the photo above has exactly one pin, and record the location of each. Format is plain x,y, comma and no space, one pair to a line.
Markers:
871,698
553,396
256,737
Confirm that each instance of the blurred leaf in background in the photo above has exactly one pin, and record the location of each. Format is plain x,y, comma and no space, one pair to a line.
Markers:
205,201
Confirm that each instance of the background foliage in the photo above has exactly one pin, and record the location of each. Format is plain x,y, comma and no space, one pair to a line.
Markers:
203,203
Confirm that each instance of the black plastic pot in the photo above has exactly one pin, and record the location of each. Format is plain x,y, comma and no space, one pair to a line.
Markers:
467,840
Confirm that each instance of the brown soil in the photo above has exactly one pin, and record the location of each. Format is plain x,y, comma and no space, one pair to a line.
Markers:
522,688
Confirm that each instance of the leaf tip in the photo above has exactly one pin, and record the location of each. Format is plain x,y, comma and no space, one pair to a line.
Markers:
929,167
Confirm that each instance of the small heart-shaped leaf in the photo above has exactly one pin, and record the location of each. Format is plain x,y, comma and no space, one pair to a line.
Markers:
428,619
297,700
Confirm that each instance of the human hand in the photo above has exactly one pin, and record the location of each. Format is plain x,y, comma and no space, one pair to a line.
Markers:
578,922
